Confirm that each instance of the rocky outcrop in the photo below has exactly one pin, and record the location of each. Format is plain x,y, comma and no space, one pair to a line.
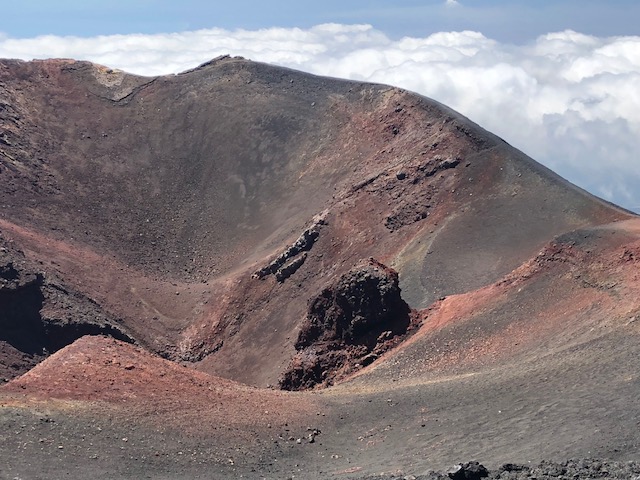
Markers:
468,471
295,255
39,316
348,325
416,207
290,267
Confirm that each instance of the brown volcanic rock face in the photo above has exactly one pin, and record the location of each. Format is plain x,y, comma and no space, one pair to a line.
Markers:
348,325
180,176
364,303
40,315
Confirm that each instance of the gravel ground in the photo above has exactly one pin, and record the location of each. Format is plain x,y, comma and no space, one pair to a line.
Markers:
592,469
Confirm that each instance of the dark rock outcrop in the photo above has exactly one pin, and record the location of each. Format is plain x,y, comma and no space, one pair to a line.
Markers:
291,267
362,305
468,471
39,316
295,255
348,325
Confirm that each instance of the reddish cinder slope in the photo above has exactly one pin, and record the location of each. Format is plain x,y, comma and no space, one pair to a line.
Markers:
102,408
102,369
580,287
539,365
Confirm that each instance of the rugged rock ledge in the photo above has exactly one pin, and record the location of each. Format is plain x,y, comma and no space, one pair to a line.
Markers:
39,316
348,325
295,255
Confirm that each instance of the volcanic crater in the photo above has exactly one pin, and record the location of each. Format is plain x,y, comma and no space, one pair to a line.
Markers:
174,250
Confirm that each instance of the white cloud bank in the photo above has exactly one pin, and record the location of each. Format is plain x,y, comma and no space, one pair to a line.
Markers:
569,100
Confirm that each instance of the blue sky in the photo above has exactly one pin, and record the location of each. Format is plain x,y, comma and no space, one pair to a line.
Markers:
514,21
557,79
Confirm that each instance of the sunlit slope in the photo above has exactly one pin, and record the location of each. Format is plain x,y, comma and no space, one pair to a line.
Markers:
182,187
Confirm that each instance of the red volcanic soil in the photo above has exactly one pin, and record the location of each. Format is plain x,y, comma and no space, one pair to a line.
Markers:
538,365
173,249
102,368
117,387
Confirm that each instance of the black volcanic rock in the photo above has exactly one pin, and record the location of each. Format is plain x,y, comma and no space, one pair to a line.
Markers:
349,323
39,316
364,303
468,471
585,469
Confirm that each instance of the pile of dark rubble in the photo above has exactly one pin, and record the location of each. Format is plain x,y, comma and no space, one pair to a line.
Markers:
590,469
